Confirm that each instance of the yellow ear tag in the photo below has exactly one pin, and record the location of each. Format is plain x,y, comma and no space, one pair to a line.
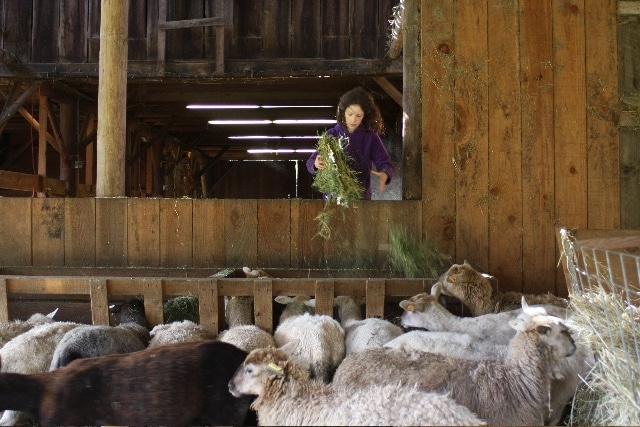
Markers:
411,307
452,279
274,367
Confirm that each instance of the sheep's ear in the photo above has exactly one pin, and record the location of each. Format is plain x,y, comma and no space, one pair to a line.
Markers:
310,303
436,289
283,299
289,347
543,329
411,306
53,313
524,303
275,369
515,323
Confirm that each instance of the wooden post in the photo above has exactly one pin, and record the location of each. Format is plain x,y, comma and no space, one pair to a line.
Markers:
42,139
411,102
112,99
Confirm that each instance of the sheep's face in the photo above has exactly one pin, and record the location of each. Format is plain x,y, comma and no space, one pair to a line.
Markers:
464,283
250,377
551,330
416,309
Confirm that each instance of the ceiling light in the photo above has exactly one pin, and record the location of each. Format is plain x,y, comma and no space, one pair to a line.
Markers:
240,122
222,106
304,122
270,151
273,137
297,106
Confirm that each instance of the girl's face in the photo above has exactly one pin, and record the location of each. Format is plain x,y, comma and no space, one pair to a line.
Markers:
353,116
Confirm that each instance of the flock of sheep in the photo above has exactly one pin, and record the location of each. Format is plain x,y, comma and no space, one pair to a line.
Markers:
515,367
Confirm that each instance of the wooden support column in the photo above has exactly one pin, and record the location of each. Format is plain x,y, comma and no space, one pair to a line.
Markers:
411,103
42,139
69,135
112,99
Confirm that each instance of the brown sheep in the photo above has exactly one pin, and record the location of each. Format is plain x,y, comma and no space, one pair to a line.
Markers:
175,384
475,291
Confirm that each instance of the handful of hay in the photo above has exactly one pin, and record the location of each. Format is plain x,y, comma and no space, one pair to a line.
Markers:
415,258
338,181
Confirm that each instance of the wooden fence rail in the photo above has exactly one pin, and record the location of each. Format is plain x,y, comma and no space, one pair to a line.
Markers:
210,292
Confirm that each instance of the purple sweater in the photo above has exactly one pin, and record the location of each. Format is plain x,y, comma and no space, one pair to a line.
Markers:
365,150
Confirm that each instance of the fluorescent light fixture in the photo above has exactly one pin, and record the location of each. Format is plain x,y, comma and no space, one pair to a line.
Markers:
305,150
222,106
304,122
273,137
240,122
270,151
297,106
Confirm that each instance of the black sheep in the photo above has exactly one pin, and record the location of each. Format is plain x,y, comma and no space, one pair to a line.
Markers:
174,384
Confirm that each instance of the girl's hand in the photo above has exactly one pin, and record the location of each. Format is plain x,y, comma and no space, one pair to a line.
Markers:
319,163
383,179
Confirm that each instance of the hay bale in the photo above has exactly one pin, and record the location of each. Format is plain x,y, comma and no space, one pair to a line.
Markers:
182,308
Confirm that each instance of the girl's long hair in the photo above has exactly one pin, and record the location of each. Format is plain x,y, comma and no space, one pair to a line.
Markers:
372,117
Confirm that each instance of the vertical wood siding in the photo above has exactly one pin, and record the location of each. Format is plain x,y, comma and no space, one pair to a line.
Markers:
522,97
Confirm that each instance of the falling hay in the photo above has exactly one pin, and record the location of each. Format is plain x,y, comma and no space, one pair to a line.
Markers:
182,308
338,182
415,258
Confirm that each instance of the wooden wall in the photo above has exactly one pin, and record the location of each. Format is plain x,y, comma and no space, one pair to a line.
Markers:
203,233
68,31
520,130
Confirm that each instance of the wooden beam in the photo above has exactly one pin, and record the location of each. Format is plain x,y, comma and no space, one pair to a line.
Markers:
112,99
8,112
34,123
390,89
42,140
162,36
628,8
190,23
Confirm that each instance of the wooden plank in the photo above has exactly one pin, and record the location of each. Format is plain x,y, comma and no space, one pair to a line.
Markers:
263,304
473,201
93,31
538,215
277,35
4,306
139,17
274,233
80,232
191,23
390,89
19,181
185,43
505,145
111,232
375,298
306,246
324,295
335,29
339,248
47,232
412,103
367,239
176,233
143,232
18,22
629,177
16,238
153,304
208,304
603,104
99,301
438,113
307,28
73,22
45,31
628,7
208,233
241,231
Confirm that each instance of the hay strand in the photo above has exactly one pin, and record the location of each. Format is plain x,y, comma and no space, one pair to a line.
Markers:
415,258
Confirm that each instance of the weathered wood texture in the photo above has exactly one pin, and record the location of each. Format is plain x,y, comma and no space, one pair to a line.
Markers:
67,31
520,132
186,233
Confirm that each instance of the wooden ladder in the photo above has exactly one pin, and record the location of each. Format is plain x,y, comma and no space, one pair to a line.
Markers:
164,25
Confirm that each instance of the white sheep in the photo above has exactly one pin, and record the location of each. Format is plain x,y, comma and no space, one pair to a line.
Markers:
475,291
450,343
99,340
321,338
12,329
242,332
178,331
362,333
425,311
511,391
30,353
287,396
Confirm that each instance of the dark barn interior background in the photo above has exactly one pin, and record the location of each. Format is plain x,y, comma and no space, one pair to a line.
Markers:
507,119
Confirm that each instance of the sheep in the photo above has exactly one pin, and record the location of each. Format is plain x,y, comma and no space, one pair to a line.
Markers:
287,396
242,332
29,353
176,384
511,391
474,290
130,311
178,331
99,340
362,333
425,311
321,337
9,330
